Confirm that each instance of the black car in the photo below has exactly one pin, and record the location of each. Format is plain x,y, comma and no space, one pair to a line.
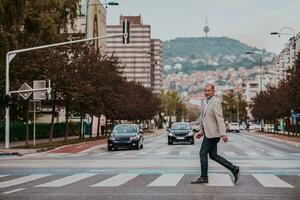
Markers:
181,131
125,136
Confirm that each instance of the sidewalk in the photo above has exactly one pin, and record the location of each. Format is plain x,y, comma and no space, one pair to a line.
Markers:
291,140
20,152
71,148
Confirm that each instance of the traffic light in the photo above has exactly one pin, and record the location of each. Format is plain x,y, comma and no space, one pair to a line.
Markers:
8,101
126,30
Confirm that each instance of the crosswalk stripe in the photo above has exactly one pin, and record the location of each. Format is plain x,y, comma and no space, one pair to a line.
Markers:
269,180
21,180
167,180
116,181
67,180
4,175
13,191
219,180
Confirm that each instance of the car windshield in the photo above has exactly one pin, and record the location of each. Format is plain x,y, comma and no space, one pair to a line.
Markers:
180,126
124,129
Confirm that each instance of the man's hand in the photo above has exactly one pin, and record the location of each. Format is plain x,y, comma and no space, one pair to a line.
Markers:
199,135
224,138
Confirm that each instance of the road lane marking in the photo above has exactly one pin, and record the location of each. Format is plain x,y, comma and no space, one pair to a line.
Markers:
252,154
167,180
260,149
185,153
296,154
276,154
162,153
115,181
18,181
67,180
143,153
13,191
269,180
219,180
1,176
230,153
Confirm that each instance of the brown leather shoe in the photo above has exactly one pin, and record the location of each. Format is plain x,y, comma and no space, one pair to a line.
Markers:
200,180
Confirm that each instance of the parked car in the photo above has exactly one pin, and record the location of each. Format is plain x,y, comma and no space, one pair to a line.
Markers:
125,136
234,126
243,127
251,126
181,132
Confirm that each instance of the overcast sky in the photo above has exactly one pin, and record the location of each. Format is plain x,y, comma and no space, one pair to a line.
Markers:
249,21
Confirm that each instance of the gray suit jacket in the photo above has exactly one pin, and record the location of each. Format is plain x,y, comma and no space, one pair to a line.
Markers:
211,120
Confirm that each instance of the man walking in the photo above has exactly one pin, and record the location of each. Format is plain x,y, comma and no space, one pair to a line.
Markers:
212,126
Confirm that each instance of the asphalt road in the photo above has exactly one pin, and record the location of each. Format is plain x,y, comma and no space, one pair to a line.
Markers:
269,170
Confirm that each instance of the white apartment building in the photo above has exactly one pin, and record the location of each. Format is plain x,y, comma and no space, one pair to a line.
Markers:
141,59
286,59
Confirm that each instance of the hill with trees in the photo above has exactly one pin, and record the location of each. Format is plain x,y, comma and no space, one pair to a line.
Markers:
188,55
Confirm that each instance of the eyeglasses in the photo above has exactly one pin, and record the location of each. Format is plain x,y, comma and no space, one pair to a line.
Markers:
207,90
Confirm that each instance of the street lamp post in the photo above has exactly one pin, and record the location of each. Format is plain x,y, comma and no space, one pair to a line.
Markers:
293,40
260,65
11,54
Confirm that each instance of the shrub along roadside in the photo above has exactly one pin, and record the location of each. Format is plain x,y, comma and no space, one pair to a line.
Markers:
18,129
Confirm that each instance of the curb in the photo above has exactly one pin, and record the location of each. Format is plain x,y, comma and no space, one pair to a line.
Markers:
10,154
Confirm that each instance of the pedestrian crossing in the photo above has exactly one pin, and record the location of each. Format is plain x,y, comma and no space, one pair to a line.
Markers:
118,180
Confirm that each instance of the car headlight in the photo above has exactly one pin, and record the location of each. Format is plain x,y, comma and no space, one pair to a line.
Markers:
170,134
191,133
135,138
111,138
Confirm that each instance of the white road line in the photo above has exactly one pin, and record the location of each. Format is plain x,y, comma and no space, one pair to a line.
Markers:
230,153
185,153
115,181
1,176
143,153
67,180
219,180
296,154
162,153
260,149
167,180
13,191
276,154
270,180
21,180
252,154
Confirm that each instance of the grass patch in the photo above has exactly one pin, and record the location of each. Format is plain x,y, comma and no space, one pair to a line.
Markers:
55,144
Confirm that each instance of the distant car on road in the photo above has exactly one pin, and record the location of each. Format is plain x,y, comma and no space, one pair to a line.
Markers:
181,131
125,136
234,126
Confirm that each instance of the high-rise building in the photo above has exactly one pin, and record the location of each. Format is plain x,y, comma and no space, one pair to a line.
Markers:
156,65
141,59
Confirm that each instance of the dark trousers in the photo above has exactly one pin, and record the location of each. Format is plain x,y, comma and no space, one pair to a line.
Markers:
209,146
